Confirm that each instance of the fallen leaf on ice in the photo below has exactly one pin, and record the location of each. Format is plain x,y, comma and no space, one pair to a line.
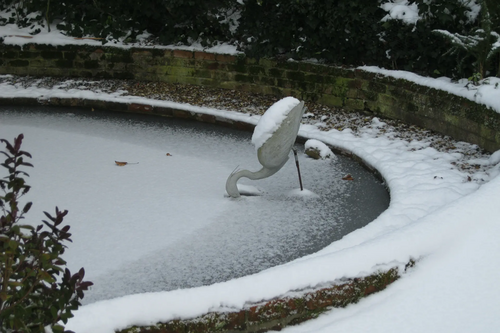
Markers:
168,154
124,163
347,177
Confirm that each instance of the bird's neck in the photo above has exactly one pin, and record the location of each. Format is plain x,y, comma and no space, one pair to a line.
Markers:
231,183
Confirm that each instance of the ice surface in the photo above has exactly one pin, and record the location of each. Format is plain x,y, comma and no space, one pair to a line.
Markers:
165,223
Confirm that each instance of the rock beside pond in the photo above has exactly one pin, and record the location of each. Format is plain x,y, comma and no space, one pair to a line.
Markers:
318,150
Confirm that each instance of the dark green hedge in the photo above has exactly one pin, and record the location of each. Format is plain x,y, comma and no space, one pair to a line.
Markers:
342,32
350,32
170,21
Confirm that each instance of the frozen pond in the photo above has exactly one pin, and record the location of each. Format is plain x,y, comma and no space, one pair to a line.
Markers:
165,222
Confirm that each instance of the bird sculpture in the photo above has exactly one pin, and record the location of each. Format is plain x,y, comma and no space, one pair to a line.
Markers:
273,138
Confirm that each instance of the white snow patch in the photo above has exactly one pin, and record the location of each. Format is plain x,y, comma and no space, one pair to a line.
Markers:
494,158
401,10
324,150
305,193
272,119
248,190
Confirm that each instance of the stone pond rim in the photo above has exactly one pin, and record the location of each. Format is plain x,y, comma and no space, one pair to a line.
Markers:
352,89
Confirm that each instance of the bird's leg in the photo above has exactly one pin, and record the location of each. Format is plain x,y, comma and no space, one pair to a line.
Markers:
298,167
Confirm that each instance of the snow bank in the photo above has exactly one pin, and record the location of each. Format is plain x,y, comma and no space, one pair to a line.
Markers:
487,93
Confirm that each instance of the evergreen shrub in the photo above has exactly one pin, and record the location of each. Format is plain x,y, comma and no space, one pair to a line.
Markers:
347,32
170,21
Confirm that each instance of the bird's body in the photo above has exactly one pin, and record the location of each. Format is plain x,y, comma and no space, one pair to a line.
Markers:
273,153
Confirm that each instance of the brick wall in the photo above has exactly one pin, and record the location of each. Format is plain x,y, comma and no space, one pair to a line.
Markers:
352,89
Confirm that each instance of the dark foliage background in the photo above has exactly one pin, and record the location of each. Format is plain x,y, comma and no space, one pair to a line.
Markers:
342,32
349,32
171,21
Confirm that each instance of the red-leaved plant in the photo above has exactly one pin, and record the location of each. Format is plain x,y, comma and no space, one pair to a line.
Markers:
37,292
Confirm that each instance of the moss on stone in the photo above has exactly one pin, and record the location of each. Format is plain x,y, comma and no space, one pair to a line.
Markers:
315,78
377,87
330,100
307,67
267,63
256,70
10,54
243,78
354,104
19,63
104,75
178,71
27,55
240,66
264,80
91,64
275,72
202,73
339,72
310,96
210,65
277,91
295,75
283,83
70,56
51,54
117,57
368,95
62,63
288,65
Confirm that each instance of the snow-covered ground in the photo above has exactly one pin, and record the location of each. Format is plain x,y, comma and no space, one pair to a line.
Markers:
450,224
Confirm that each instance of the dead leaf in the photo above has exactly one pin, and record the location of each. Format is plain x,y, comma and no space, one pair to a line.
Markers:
124,163
168,154
347,177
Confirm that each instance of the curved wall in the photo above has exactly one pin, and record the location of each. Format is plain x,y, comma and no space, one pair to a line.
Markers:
352,89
